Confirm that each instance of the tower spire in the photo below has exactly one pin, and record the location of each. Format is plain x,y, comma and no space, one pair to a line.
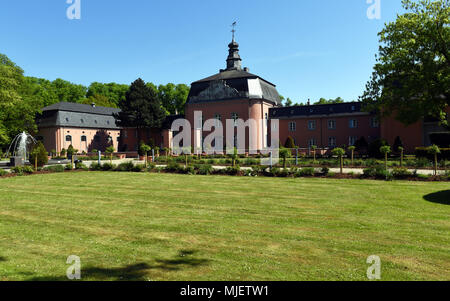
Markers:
234,59
234,29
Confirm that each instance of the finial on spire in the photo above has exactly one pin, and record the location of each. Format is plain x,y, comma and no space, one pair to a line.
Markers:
234,28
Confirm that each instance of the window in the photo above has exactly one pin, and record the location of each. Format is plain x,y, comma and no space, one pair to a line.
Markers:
353,108
68,138
83,139
332,124
312,142
374,122
125,134
353,123
82,120
352,140
312,125
292,126
266,115
332,142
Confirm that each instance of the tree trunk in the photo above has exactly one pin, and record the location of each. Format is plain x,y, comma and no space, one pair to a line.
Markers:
401,159
342,164
435,164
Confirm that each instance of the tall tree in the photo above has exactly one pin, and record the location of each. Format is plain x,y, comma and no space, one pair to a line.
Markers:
115,93
173,97
141,108
411,78
324,101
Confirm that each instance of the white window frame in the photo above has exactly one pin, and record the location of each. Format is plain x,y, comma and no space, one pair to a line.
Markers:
311,125
330,139
353,123
332,121
312,141
292,126
352,140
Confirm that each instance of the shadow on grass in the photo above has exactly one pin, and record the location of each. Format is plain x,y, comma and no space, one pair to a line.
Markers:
441,197
135,272
2,259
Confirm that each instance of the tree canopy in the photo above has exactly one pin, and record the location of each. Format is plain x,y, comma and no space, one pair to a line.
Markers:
411,79
141,108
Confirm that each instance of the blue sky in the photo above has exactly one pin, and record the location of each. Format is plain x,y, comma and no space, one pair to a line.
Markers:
309,49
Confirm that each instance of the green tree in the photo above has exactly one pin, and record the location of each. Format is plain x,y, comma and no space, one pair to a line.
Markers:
173,97
411,78
339,152
144,148
284,154
141,108
289,142
352,150
385,150
314,149
110,150
113,92
434,150
38,155
324,101
99,100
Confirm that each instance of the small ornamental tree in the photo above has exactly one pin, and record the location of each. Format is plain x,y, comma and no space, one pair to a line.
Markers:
352,150
38,155
110,150
314,148
285,153
157,149
70,152
144,149
434,150
234,156
340,152
385,150
289,143
63,152
401,149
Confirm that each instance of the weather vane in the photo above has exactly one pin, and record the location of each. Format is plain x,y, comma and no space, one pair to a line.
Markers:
234,28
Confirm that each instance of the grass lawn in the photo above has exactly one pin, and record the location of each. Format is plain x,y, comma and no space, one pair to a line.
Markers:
141,226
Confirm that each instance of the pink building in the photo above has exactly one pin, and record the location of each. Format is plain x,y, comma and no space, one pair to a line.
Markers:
85,127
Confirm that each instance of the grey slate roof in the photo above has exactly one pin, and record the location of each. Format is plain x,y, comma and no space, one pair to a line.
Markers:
66,114
80,108
239,81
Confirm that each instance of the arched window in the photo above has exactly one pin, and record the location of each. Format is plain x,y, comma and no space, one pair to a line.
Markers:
68,138
83,139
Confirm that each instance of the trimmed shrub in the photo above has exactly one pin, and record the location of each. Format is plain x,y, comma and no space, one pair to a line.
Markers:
68,166
3,172
108,167
174,167
325,170
21,170
81,166
205,169
306,172
95,166
138,168
127,166
54,168
401,173
378,172
233,171
151,166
